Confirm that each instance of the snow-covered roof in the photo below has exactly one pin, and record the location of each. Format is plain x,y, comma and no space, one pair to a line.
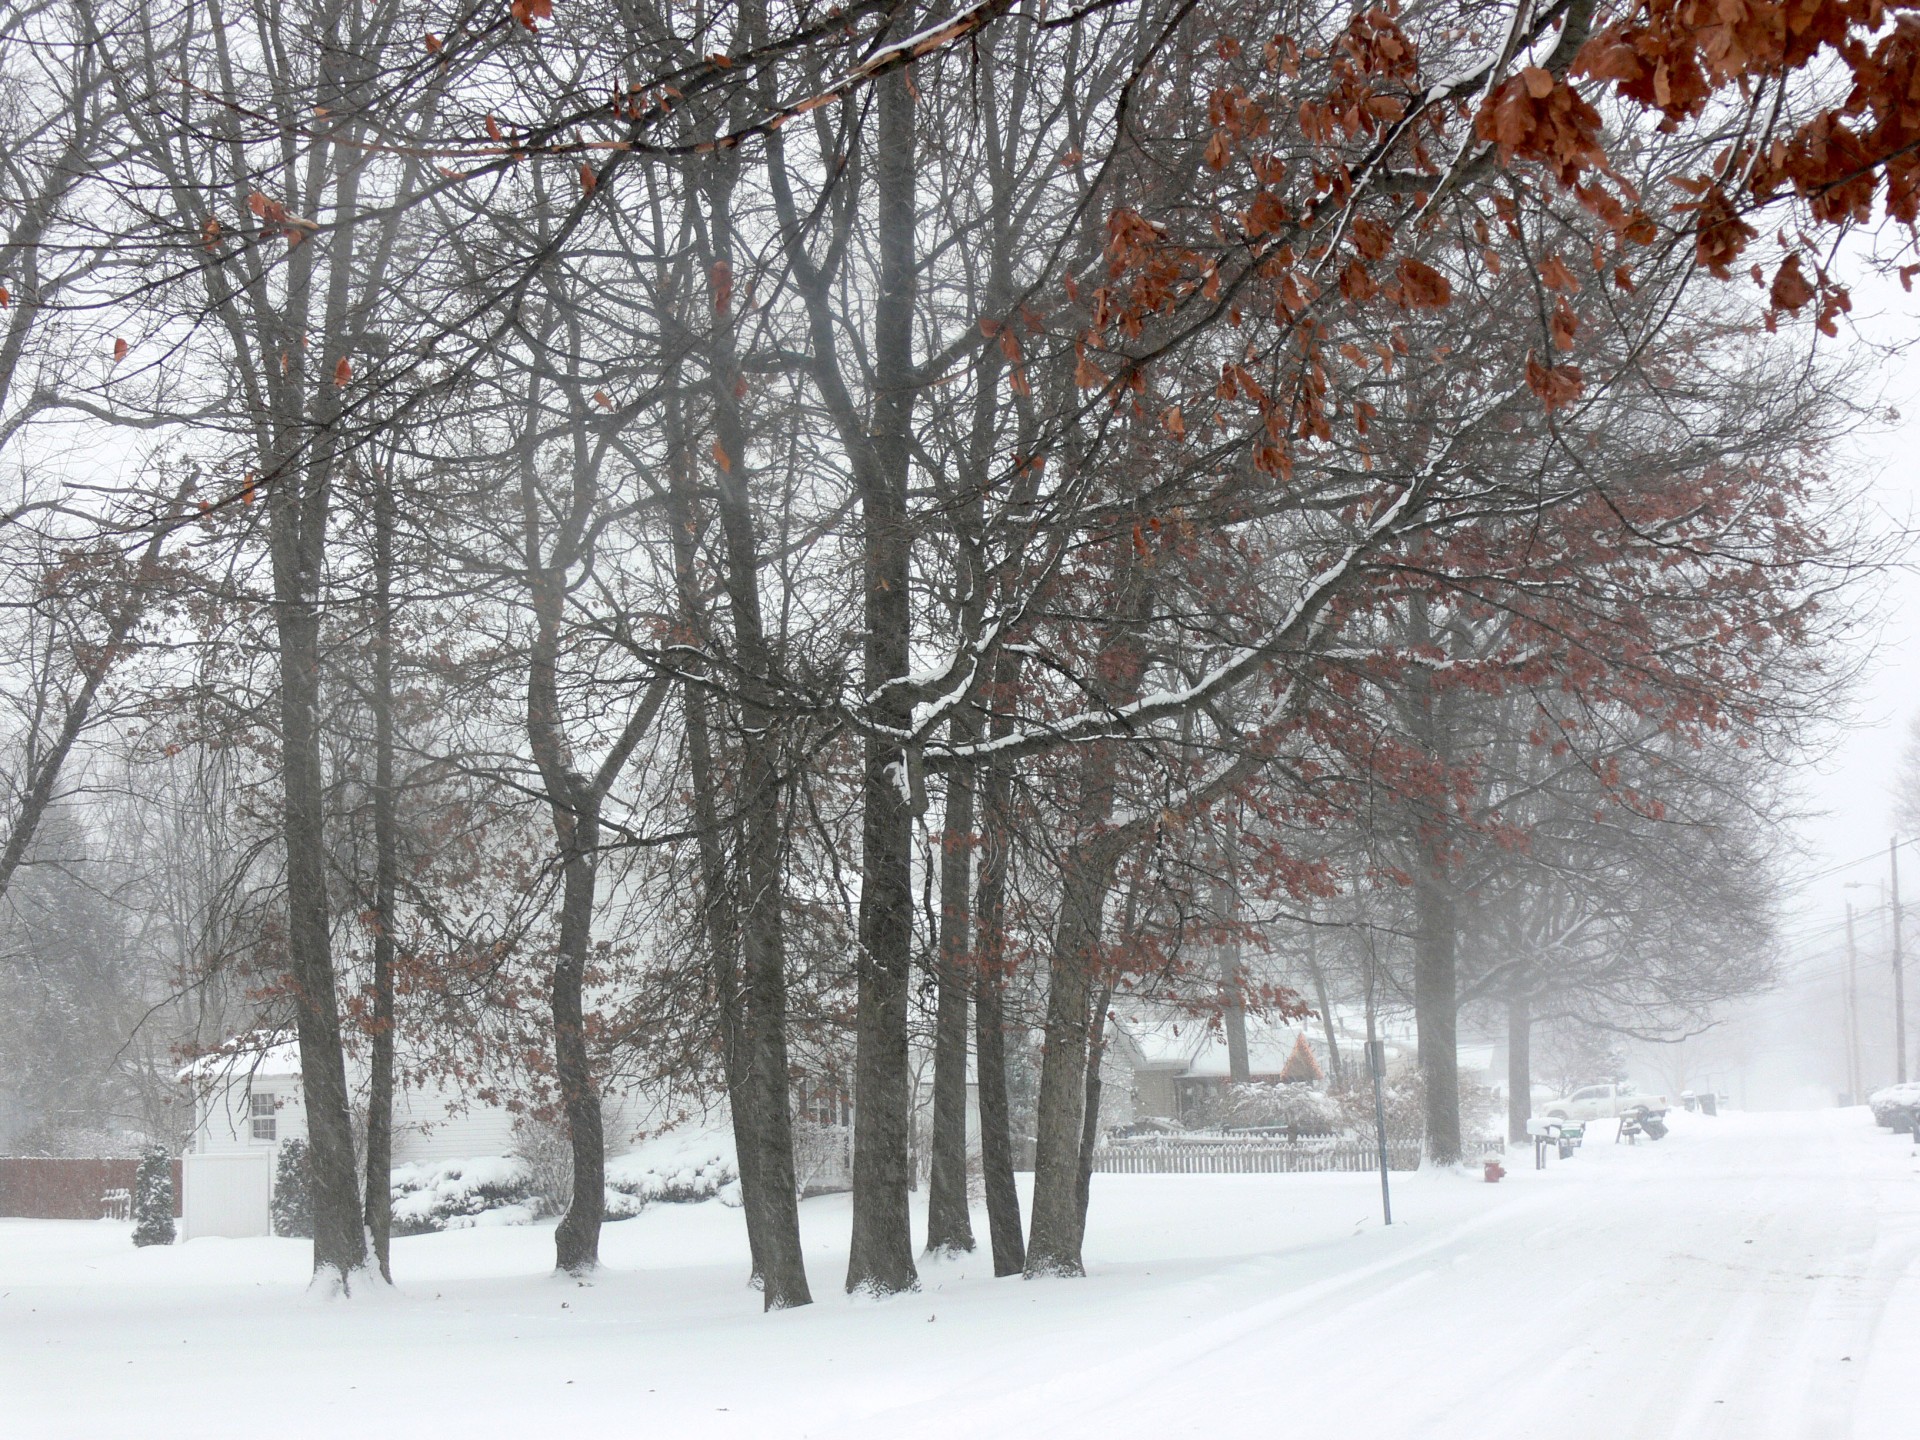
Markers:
256,1055
1188,1045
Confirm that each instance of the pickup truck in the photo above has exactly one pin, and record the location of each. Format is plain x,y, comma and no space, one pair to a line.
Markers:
1602,1102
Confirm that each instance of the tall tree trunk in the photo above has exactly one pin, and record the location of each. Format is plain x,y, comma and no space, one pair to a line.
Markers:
1090,1118
386,880
1519,1066
1232,983
1086,878
299,496
576,1241
990,1032
949,1226
339,1241
1436,998
574,810
783,1272
1319,976
763,1109
574,804
307,446
1436,1004
881,1257
1053,1240
720,899
717,901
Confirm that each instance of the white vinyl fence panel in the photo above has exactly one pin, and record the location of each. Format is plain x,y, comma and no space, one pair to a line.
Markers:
228,1194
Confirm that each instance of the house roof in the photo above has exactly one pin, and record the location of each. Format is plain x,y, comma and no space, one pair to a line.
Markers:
256,1055
1188,1045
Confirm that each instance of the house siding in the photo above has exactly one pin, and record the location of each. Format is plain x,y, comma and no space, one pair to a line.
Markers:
226,1119
1154,1094
431,1126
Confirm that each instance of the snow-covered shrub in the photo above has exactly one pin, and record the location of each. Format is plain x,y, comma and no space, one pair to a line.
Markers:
673,1169
1481,1119
1279,1105
153,1197
1406,1099
293,1191
821,1156
459,1194
1483,1114
548,1153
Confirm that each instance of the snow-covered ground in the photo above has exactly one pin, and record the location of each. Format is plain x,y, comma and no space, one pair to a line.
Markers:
1751,1276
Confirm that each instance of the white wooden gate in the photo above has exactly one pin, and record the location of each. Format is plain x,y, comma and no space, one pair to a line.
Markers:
226,1194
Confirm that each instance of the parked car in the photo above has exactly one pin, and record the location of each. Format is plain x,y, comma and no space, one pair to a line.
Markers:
1894,1106
1603,1102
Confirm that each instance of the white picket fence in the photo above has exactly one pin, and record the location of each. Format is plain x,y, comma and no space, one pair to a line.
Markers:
1204,1157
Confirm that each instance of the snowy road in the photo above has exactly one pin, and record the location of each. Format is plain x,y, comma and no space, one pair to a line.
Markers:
1753,1276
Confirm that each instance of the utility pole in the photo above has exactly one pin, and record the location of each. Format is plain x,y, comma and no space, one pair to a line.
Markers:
1855,1076
1899,970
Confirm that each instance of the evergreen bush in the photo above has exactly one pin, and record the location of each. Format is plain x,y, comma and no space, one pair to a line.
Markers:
153,1197
292,1192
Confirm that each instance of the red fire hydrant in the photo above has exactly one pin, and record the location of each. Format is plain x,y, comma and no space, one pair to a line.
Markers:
1495,1172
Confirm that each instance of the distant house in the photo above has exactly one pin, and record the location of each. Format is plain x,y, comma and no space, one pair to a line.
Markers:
1177,1062
1180,1062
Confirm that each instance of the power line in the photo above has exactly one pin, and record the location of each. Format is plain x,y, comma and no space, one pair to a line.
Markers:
1848,864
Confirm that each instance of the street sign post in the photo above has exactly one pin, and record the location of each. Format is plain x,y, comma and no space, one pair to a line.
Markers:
1377,1063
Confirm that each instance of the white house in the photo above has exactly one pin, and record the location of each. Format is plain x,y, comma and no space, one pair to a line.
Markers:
248,1103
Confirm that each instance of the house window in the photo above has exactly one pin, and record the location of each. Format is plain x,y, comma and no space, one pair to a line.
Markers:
261,1108
824,1101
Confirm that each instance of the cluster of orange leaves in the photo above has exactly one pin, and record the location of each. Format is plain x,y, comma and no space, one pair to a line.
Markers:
1673,57
528,11
276,221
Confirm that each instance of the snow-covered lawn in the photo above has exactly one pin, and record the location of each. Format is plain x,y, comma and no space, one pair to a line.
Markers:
1752,1276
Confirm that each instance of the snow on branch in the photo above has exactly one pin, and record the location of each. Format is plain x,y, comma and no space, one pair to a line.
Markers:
1302,624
